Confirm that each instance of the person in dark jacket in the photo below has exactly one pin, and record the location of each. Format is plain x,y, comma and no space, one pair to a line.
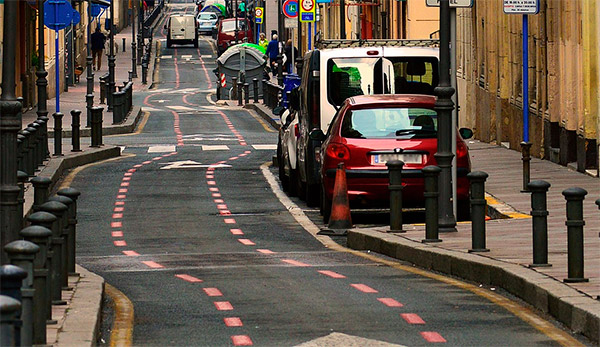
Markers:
288,54
272,52
98,39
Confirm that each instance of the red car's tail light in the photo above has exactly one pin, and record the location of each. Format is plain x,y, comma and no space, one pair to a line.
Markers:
338,151
461,149
296,130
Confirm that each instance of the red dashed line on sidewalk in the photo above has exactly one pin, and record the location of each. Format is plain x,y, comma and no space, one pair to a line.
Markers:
363,288
120,243
432,336
131,253
265,251
147,162
331,274
389,302
212,292
233,322
246,242
241,340
188,278
152,264
223,305
130,171
412,318
295,263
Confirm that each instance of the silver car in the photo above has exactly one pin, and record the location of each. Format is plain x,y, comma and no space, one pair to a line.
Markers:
206,21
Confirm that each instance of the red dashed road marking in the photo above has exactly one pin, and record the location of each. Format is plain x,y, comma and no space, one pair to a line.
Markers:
117,215
246,242
241,340
294,262
152,264
331,274
432,336
188,278
117,234
119,203
211,183
265,251
229,221
218,201
412,318
225,212
123,190
132,170
119,209
116,224
236,231
216,195
390,302
213,189
363,288
120,243
121,196
221,206
212,292
131,253
233,322
126,178
124,184
223,305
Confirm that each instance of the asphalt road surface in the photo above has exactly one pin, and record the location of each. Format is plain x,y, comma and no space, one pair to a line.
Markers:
187,226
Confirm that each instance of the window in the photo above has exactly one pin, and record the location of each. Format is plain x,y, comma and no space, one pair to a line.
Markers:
390,123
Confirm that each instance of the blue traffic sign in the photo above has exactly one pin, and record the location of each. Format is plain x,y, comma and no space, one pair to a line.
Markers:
58,14
290,8
76,17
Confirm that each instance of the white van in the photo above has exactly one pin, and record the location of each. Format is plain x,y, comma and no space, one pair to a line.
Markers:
182,29
339,69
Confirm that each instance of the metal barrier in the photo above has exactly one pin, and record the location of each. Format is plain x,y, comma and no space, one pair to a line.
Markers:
103,87
272,94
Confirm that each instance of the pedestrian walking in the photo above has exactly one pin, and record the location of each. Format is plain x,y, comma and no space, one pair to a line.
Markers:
272,52
262,41
98,40
291,53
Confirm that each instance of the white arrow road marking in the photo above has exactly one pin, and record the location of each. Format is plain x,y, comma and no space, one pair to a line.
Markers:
215,148
161,149
339,339
189,164
186,56
150,109
259,147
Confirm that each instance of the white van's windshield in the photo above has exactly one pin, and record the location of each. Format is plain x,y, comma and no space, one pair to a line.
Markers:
348,77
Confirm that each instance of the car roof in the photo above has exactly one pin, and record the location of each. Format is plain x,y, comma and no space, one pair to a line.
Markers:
391,99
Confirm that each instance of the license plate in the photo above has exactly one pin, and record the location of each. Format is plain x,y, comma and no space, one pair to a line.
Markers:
381,159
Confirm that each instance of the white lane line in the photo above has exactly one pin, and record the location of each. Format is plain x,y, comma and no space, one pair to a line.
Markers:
186,56
166,56
180,108
259,147
161,149
150,109
215,148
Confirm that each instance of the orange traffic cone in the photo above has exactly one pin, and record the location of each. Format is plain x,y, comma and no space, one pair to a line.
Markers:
340,220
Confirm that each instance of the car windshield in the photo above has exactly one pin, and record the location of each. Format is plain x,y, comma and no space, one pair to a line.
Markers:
207,16
390,123
348,77
230,25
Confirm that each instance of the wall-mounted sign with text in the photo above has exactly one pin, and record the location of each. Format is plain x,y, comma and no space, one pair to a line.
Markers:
453,3
521,6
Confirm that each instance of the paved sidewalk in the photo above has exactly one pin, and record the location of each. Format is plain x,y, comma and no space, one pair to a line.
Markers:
509,239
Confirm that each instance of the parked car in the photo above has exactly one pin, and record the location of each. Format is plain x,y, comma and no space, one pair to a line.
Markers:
207,21
339,69
226,33
182,29
286,147
369,131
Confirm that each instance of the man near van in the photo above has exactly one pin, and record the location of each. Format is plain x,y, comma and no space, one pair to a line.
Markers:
98,40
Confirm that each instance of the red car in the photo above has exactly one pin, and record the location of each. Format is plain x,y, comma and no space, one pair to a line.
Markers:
226,33
370,130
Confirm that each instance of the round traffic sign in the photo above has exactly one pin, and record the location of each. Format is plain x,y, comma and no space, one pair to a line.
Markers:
307,5
290,8
258,12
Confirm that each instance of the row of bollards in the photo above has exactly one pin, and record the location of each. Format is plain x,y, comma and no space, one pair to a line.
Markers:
539,212
123,102
32,146
40,265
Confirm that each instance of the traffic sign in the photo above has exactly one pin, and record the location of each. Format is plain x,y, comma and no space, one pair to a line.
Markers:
58,14
521,6
307,11
259,12
76,17
290,8
453,3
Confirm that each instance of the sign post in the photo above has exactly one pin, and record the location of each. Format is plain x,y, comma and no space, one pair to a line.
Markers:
259,13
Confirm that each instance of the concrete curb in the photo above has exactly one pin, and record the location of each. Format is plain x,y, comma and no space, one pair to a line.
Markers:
576,310
82,321
263,114
126,127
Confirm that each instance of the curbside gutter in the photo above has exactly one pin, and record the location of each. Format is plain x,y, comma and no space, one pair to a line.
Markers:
577,311
266,116
82,321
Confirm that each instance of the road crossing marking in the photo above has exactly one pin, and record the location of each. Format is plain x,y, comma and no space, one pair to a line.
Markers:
131,253
215,147
150,109
265,251
161,149
263,147
180,108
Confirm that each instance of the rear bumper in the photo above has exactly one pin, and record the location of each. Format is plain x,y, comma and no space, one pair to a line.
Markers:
406,173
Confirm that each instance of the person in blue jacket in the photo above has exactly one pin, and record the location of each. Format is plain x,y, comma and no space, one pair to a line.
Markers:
272,52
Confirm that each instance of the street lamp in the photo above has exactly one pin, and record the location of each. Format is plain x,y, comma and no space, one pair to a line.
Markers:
444,107
111,59
133,59
10,123
42,82
89,97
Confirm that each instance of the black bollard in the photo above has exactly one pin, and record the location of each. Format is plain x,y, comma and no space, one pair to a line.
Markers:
144,73
539,215
478,207
31,150
45,220
234,84
41,192
89,103
37,149
575,223
526,153
20,160
65,234
264,90
22,178
395,187
72,194
96,131
246,93
255,89
58,243
431,195
123,44
240,87
75,134
21,253
11,279
9,321
117,107
40,236
25,150
57,133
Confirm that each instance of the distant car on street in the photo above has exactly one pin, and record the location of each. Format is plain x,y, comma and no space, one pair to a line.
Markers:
370,130
182,29
207,21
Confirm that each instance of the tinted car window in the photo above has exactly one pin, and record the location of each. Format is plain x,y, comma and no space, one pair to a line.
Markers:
390,123
230,26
